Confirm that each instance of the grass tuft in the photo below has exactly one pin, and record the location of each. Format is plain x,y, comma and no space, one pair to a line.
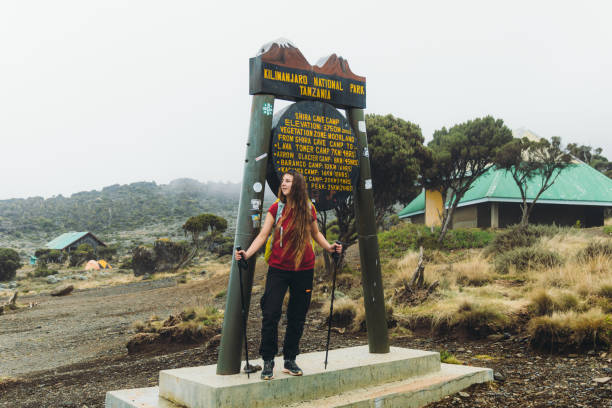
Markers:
570,331
544,303
595,249
448,358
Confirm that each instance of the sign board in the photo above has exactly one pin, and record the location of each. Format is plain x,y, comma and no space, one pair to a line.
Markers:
281,70
315,139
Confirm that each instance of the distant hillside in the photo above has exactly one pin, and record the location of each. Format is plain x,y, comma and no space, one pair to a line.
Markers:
118,207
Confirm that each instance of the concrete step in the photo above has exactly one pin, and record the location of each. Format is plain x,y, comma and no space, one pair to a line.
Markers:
410,393
348,369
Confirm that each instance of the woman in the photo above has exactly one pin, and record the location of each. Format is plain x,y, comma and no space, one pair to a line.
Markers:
291,266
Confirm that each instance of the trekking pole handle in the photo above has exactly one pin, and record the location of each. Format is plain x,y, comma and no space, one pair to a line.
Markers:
336,255
242,262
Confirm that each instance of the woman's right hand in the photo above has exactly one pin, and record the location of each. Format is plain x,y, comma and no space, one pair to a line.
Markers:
240,255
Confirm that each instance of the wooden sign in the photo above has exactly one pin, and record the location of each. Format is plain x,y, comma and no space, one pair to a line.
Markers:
280,69
315,139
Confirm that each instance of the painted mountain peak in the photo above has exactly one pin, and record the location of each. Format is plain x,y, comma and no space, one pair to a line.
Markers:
283,52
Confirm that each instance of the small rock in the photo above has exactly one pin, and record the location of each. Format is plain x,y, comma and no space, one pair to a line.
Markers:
572,355
495,337
591,353
507,335
62,290
519,355
52,279
602,380
464,394
460,350
80,277
603,355
12,285
497,376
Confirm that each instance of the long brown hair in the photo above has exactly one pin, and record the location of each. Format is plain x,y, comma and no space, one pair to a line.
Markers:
300,223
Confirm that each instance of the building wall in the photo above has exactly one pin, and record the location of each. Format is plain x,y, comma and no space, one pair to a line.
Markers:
479,215
465,217
565,215
87,239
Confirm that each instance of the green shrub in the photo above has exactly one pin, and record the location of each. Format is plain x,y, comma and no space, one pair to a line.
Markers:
595,249
405,236
42,271
607,229
143,260
524,258
168,254
83,253
107,252
9,263
517,236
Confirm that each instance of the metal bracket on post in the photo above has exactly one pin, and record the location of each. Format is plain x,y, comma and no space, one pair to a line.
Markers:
373,295
247,226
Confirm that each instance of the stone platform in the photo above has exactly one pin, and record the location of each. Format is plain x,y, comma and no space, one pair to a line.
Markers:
354,378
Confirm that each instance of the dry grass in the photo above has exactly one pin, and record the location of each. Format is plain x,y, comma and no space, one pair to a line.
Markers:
472,295
571,330
344,313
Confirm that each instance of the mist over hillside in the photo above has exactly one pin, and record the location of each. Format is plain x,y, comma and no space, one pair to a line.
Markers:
118,207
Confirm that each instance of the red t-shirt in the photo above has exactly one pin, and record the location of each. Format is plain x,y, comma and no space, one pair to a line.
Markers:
286,261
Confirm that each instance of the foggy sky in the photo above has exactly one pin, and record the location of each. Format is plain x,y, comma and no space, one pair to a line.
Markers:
94,93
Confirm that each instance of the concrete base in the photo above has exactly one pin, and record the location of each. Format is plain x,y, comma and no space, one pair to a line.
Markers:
354,378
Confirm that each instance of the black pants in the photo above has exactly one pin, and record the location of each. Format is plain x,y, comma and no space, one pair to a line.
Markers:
300,291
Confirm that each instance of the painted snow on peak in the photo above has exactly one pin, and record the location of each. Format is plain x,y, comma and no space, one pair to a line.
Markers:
281,42
323,60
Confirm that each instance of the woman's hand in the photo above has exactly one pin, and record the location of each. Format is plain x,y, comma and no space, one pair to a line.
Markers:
335,247
240,255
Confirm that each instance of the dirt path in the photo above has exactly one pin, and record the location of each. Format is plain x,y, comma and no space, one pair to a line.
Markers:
67,352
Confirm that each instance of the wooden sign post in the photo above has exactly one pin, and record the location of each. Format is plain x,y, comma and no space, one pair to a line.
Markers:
328,148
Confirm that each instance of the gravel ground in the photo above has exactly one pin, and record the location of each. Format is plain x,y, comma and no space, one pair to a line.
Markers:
67,352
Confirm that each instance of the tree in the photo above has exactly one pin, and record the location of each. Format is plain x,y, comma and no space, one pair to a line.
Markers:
592,157
528,161
460,155
203,223
396,155
9,263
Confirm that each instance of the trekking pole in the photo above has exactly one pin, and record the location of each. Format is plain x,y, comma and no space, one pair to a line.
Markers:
337,258
242,264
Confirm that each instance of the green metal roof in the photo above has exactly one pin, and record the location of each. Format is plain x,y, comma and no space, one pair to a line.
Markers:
65,240
579,184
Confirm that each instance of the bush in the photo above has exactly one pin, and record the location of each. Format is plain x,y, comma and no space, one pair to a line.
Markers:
569,331
83,253
143,260
517,236
9,263
46,255
405,236
169,254
525,258
607,230
107,252
595,249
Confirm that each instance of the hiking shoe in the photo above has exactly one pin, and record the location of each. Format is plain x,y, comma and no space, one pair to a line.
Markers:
268,370
292,368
